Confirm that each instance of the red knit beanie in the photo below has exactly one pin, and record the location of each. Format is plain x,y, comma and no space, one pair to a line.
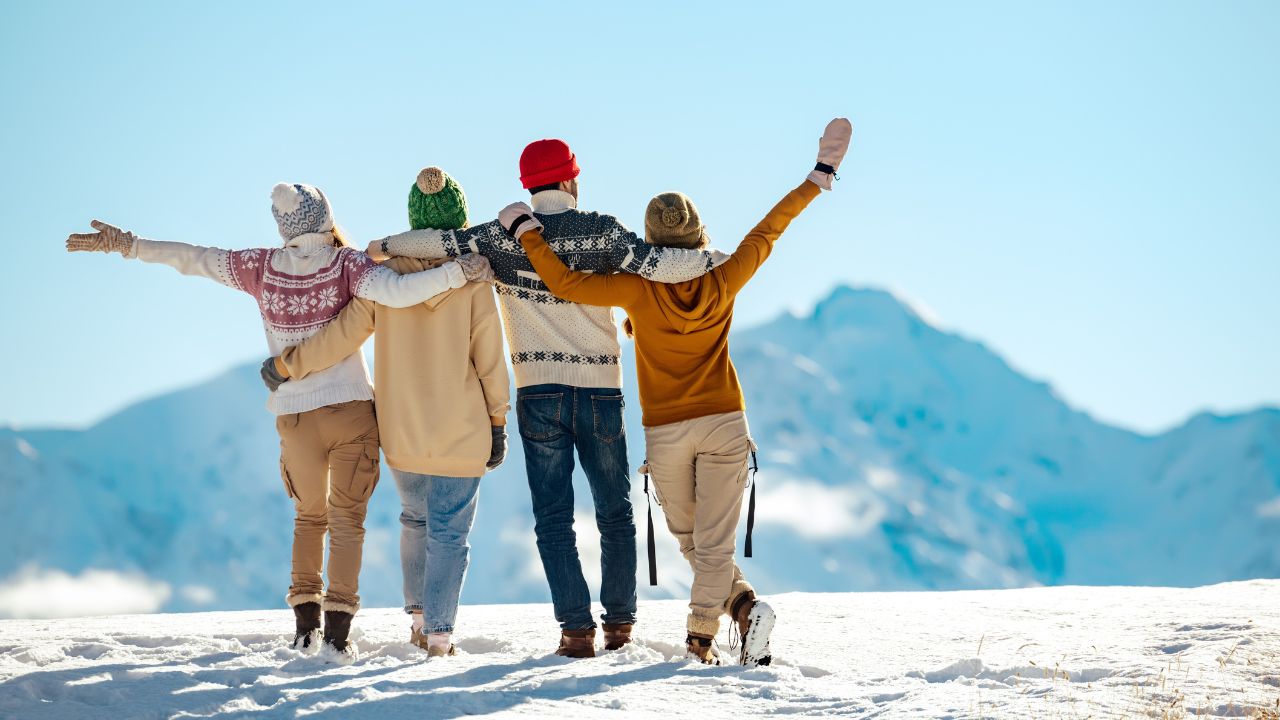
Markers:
546,162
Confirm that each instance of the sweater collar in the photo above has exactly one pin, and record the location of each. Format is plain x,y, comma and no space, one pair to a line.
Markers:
550,202
310,242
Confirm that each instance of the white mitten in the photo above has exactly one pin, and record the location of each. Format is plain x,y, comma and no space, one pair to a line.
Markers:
109,238
832,147
518,219
476,267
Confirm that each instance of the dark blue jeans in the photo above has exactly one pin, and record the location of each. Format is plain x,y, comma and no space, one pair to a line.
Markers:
554,419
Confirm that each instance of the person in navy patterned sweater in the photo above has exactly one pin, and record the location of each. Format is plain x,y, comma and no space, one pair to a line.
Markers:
568,379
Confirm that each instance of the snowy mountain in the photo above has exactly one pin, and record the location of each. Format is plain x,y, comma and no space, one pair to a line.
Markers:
895,456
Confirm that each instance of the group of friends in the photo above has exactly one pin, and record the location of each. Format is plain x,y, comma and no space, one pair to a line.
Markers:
442,394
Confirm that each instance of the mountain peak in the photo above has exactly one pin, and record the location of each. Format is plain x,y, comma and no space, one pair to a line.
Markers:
869,306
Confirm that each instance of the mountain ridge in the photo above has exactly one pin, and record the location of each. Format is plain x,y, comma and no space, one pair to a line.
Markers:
894,455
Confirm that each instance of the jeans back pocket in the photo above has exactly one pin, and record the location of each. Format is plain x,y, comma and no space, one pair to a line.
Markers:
607,416
539,415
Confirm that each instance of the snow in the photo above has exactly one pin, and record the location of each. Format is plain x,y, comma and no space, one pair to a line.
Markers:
1069,652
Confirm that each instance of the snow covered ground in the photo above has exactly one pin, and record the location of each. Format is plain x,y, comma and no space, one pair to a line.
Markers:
1069,652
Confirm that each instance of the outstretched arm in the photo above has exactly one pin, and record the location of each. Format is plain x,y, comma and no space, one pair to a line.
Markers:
234,269
591,289
334,343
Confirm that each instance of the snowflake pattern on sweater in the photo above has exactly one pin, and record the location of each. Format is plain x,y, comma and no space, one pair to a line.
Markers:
298,304
554,340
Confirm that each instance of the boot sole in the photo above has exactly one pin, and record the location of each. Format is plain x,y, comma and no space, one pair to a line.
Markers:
755,646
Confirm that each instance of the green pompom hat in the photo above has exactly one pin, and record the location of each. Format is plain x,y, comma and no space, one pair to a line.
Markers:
436,202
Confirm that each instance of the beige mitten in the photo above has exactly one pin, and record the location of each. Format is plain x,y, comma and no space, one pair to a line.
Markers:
832,147
476,267
109,238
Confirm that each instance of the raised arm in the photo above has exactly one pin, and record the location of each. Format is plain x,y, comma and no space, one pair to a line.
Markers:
758,244
236,269
335,342
591,289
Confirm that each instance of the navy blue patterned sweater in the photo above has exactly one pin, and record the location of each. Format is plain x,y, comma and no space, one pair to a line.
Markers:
552,340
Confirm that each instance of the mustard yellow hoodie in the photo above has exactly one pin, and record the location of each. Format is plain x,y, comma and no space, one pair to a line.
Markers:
681,329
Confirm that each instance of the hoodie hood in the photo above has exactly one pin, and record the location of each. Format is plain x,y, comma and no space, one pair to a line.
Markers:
690,306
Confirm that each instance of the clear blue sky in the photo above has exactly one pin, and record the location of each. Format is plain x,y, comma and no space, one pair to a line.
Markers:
1092,188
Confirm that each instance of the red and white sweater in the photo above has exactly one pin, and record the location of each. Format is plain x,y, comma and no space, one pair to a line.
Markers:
300,288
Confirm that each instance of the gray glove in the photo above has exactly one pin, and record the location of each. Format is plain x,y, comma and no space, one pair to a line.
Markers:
108,239
270,376
499,451
476,267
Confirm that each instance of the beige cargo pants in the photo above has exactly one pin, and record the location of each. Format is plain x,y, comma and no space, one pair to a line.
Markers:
329,463
699,471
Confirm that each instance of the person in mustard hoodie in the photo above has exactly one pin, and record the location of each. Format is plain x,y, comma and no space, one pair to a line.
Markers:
696,433
442,396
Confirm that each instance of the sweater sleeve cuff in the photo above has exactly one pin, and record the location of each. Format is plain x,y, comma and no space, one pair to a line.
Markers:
457,278
821,179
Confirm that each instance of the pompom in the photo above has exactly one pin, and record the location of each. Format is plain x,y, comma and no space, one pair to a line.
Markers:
431,180
674,217
285,197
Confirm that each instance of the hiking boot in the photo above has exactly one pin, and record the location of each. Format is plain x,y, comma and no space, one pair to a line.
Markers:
306,618
755,621
616,635
577,643
440,651
337,626
701,649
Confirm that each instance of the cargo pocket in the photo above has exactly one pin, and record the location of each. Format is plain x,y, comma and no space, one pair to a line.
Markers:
366,475
288,482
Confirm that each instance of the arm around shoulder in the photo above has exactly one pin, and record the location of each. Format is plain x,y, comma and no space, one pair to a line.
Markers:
335,342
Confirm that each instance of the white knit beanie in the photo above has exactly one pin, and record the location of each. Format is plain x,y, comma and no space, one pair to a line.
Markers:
300,209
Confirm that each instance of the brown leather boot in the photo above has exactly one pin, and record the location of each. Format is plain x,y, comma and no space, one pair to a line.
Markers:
741,611
755,619
306,617
701,649
577,643
616,635
337,628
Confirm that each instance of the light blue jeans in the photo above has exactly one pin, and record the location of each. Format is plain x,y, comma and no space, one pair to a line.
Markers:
435,520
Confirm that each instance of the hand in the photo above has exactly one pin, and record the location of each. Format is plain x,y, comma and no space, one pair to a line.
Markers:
476,267
517,219
374,251
109,238
832,147
271,377
498,453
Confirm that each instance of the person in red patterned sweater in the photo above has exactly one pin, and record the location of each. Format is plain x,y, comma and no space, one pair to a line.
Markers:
328,432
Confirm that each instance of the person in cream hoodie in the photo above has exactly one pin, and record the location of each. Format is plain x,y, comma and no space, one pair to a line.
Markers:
442,398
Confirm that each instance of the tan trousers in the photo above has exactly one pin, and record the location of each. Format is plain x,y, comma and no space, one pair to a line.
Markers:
699,472
329,463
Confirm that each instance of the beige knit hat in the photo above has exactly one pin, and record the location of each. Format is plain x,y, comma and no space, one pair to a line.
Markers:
671,220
